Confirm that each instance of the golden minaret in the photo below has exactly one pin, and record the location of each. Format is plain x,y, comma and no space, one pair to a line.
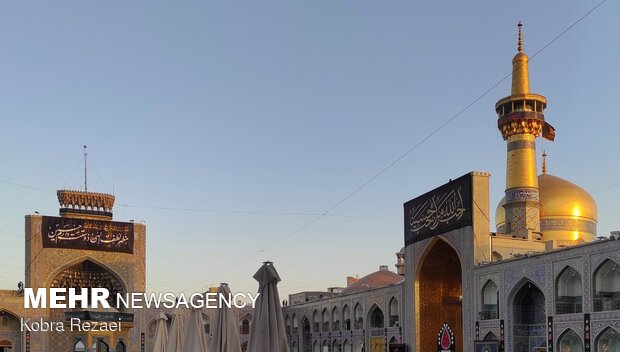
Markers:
521,120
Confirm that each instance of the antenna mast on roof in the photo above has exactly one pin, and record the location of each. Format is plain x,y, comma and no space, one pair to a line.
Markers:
85,170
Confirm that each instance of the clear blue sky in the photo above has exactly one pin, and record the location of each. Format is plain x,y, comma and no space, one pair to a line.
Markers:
286,106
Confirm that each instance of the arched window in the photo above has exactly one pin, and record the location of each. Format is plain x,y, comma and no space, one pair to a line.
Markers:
346,346
336,346
346,318
358,317
568,292
325,319
316,347
287,324
335,319
120,346
570,341
79,346
376,318
306,334
608,341
245,325
325,347
394,313
607,286
490,308
316,322
100,346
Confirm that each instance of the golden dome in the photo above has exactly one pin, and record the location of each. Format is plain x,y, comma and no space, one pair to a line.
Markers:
567,211
559,197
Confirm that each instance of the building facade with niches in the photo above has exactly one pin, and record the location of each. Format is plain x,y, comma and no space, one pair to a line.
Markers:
364,316
82,248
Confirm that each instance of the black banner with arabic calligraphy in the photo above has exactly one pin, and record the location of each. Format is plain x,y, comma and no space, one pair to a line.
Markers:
443,209
84,234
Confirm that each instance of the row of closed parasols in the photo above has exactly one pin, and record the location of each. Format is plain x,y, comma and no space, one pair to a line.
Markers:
267,332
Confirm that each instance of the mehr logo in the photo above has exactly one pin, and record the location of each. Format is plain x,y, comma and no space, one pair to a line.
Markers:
94,298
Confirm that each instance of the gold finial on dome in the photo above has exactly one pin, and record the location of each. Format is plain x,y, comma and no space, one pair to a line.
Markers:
544,162
520,43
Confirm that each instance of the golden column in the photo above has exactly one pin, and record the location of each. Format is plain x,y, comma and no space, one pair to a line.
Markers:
521,120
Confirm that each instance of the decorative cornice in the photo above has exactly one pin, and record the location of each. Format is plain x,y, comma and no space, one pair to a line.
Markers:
82,204
521,126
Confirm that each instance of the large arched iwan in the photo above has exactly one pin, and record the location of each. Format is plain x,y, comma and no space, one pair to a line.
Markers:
439,290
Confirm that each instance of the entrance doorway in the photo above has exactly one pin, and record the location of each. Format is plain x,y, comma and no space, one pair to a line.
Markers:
439,296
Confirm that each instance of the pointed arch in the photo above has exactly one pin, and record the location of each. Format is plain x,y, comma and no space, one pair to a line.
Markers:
306,332
101,346
358,317
10,320
430,246
120,346
79,346
325,320
346,317
393,313
50,278
570,341
606,285
608,340
336,319
77,272
316,321
490,336
244,324
346,346
528,315
438,293
376,319
325,346
568,292
336,346
490,301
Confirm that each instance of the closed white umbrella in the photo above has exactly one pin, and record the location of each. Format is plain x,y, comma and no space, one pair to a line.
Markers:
195,339
161,337
177,331
226,334
267,333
